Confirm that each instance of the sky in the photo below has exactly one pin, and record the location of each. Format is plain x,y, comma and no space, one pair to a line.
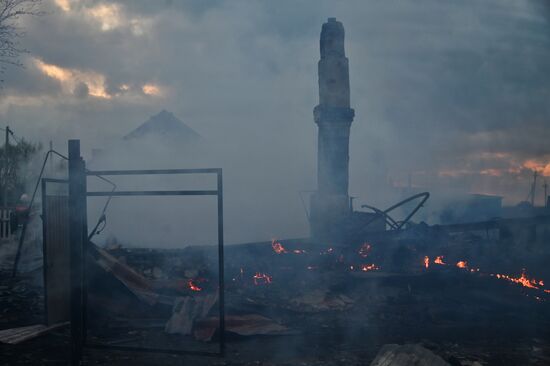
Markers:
453,94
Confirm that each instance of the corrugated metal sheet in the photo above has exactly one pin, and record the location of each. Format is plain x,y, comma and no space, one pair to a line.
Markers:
56,258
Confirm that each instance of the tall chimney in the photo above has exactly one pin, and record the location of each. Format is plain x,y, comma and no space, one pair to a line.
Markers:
330,205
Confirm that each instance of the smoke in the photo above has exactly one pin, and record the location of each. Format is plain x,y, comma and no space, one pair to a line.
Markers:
447,93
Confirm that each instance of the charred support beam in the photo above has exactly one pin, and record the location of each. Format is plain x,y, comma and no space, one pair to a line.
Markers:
77,237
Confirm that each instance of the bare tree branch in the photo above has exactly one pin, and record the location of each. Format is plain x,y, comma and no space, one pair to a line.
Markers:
10,32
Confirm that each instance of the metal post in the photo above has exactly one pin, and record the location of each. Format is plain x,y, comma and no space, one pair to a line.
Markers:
85,246
44,251
220,265
6,168
77,196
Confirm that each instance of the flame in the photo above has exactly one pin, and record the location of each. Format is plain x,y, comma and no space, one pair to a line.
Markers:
426,262
369,267
278,247
523,280
439,260
462,264
262,279
364,250
193,286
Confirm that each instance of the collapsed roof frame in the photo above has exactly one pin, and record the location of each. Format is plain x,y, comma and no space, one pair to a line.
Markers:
79,239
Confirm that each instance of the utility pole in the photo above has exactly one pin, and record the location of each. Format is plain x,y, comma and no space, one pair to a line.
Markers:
545,186
51,160
6,167
534,188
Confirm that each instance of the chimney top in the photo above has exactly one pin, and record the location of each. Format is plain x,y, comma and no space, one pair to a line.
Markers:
332,39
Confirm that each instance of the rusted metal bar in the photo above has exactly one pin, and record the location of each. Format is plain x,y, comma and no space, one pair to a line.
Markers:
153,193
155,171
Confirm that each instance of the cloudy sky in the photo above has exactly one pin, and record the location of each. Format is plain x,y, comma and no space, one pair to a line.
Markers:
455,94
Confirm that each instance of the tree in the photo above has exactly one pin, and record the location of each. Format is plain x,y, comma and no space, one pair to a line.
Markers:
10,33
14,169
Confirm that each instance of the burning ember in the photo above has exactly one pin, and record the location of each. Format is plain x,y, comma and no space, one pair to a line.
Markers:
262,279
193,286
439,260
278,247
364,250
369,267
426,262
462,264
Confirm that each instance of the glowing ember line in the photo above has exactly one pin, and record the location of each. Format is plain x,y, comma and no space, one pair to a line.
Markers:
522,280
462,264
439,260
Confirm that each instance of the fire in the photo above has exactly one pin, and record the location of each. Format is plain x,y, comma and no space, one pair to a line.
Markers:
278,247
262,279
369,267
193,286
523,280
462,264
439,260
426,262
364,250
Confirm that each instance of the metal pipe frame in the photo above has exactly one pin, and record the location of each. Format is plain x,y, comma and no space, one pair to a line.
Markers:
77,201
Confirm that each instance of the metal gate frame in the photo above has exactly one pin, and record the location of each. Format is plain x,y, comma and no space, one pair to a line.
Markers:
78,238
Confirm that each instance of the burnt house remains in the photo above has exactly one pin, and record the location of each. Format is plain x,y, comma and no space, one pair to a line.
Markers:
364,288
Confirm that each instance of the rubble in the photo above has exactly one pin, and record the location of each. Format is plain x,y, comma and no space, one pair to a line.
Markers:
187,310
244,325
407,355
321,300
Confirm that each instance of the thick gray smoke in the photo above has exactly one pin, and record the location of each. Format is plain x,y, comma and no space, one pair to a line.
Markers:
451,94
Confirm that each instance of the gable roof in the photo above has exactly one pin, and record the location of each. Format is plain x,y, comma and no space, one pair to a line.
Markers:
166,126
